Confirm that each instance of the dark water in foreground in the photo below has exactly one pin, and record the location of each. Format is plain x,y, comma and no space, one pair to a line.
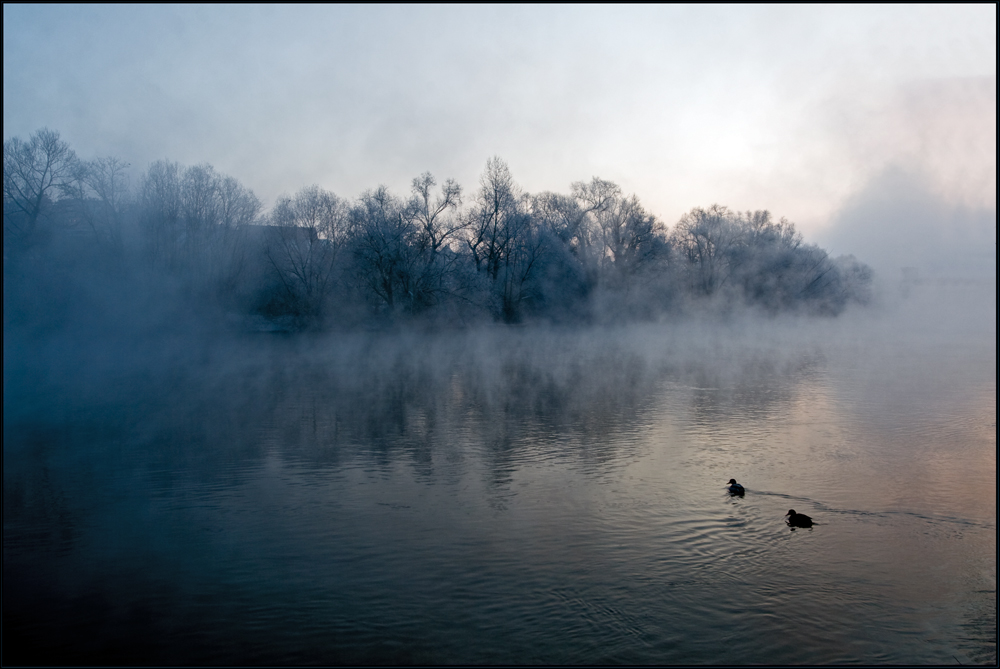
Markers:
510,497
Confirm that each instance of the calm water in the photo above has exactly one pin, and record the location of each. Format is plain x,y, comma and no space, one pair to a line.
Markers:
515,496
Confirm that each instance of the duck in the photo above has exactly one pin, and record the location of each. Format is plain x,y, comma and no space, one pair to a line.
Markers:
735,488
798,519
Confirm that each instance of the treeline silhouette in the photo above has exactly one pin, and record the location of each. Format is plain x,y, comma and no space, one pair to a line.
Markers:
80,240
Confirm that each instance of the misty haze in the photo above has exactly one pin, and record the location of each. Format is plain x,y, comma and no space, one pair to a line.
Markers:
457,418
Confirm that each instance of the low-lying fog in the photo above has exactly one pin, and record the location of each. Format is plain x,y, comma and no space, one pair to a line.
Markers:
509,493
320,406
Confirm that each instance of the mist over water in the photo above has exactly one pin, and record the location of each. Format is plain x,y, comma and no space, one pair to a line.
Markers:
510,494
353,395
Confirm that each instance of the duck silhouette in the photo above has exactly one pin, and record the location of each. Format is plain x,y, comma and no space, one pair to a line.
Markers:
735,488
798,519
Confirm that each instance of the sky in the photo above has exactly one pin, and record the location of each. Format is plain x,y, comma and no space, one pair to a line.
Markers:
863,125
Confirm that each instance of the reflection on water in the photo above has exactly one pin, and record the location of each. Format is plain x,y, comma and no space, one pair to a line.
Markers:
521,496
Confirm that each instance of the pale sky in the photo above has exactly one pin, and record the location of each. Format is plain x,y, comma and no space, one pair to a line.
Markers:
812,112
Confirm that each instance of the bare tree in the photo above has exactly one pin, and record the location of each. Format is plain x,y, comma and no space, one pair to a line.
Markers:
750,256
564,217
98,196
193,216
567,272
431,215
199,199
632,237
194,222
108,180
505,243
303,241
707,237
237,205
629,238
496,220
598,196
520,263
387,253
34,172
160,211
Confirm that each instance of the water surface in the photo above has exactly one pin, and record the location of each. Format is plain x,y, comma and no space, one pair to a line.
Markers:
510,496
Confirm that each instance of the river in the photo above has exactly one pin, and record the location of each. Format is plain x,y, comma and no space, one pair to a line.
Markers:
520,495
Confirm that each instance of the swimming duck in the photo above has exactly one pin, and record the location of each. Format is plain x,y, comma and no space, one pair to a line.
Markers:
798,519
735,488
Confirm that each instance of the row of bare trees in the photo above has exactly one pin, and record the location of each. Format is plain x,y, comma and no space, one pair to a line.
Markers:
316,259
